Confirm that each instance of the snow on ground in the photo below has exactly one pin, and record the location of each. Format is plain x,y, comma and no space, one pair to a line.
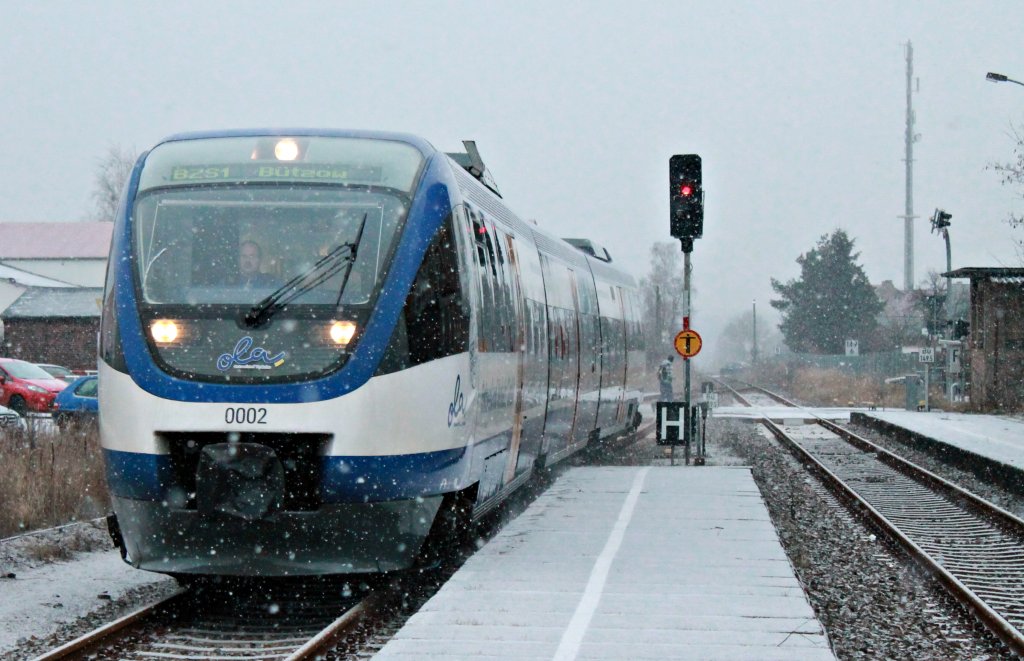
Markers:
780,412
997,437
40,599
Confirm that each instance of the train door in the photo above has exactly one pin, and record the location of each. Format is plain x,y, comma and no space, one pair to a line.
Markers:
635,358
589,359
575,370
563,359
517,328
620,338
493,394
612,356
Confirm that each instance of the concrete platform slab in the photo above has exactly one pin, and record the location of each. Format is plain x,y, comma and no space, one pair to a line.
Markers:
625,563
999,438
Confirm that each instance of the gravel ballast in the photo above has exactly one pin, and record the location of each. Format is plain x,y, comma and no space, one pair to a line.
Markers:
873,602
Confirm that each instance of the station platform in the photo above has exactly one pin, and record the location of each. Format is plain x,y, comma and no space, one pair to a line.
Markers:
625,563
997,438
784,415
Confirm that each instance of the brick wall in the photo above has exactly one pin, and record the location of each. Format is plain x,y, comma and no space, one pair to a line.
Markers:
997,346
70,342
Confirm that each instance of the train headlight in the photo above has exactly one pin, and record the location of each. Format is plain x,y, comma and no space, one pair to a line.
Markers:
164,331
286,150
342,332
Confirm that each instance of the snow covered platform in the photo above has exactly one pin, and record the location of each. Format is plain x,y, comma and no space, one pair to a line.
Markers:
996,440
787,415
625,563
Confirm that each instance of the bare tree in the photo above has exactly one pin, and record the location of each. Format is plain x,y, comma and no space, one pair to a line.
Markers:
662,291
111,177
900,322
1012,174
736,342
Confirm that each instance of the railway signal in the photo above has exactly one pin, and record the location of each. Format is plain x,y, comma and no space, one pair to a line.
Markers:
686,199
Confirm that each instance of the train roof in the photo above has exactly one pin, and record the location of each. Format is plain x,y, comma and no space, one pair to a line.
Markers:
425,147
481,196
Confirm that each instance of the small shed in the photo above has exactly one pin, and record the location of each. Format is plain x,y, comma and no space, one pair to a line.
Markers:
995,341
54,325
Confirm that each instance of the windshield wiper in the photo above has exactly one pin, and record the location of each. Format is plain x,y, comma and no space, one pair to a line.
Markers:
342,256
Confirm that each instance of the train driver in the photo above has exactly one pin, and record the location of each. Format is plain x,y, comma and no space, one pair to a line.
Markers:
250,258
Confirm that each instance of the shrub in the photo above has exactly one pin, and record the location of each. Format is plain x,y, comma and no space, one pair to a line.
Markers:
50,478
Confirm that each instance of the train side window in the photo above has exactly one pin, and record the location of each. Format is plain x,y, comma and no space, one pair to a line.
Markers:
486,315
434,321
504,291
435,314
495,314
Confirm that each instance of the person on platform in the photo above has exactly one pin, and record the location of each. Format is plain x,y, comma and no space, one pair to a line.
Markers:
665,379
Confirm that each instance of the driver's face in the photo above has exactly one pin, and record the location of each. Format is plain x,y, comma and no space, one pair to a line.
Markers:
248,259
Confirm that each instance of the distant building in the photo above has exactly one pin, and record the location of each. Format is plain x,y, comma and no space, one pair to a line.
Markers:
51,279
73,253
54,325
903,319
994,351
900,320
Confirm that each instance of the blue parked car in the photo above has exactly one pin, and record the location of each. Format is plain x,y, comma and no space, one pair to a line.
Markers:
77,403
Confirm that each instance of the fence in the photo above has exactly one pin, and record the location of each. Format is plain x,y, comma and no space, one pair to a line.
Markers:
885,364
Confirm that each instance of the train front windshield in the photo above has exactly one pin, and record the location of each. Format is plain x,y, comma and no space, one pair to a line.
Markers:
222,224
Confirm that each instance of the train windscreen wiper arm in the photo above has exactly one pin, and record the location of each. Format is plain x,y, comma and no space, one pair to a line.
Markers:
340,257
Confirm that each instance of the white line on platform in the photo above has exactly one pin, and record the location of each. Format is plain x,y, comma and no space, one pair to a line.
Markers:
569,646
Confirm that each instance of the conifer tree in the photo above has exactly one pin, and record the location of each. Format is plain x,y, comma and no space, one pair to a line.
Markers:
831,302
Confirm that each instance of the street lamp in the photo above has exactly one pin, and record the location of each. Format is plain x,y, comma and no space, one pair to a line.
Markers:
1000,78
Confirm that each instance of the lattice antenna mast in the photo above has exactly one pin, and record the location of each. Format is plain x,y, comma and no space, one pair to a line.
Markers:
908,218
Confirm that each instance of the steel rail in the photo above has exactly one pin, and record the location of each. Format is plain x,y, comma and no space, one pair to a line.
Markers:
995,622
332,631
1008,520
968,501
42,531
96,636
213,635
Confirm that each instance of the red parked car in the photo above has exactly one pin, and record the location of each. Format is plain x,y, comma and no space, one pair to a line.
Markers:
26,387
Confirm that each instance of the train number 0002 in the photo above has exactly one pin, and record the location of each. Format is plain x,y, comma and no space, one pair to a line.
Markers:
245,415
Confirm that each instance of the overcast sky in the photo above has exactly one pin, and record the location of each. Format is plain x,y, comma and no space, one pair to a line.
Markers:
796,108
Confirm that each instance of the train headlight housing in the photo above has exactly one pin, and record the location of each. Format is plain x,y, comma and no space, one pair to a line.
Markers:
286,150
164,331
342,332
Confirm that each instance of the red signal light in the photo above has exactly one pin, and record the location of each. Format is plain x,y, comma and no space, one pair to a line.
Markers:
686,190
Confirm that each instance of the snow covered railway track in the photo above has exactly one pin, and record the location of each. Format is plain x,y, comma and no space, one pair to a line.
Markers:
973,548
754,396
240,624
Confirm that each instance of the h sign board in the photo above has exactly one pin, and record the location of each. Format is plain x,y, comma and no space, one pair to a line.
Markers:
927,355
670,423
953,364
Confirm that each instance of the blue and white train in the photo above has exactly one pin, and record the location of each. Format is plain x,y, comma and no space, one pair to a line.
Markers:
319,347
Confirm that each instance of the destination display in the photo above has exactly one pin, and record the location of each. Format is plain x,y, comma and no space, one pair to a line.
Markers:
275,172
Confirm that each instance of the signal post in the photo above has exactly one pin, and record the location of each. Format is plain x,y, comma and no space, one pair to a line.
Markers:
686,223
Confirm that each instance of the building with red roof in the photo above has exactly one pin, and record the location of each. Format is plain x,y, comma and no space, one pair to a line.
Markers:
51,282
75,253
